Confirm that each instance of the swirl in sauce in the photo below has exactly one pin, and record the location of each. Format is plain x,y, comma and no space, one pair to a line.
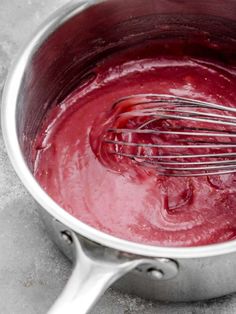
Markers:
127,201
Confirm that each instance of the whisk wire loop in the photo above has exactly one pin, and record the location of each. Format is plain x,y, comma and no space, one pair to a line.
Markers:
175,136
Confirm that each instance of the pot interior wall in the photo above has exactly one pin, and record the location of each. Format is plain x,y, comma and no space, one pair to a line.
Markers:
68,56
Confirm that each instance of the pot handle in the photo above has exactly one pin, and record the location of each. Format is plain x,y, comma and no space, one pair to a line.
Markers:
90,278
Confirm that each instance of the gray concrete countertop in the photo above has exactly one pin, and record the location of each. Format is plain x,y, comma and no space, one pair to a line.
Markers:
32,270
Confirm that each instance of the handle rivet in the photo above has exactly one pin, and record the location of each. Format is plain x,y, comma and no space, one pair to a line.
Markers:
66,236
155,273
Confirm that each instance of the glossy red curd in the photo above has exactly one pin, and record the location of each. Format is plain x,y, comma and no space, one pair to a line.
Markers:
120,197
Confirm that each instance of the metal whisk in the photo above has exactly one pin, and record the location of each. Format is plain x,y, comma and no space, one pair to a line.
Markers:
176,136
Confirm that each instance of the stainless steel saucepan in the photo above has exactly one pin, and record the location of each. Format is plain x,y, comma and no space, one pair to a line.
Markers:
58,58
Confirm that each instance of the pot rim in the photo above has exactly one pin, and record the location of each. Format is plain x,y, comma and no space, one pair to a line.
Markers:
8,119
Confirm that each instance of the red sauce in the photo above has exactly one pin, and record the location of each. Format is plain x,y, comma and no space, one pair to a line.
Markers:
129,201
